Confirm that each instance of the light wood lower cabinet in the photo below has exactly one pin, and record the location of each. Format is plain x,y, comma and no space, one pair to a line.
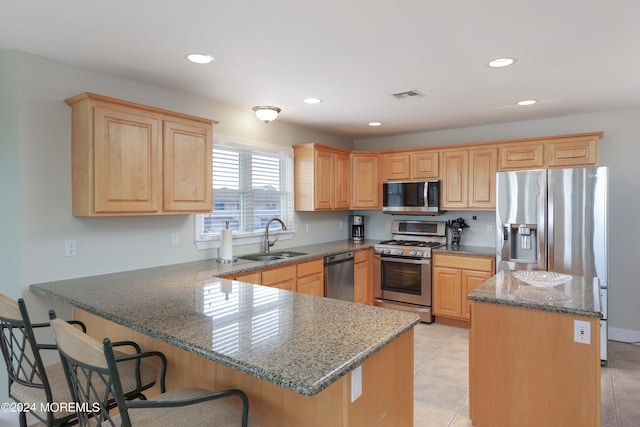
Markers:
280,277
526,370
310,277
254,277
454,277
363,277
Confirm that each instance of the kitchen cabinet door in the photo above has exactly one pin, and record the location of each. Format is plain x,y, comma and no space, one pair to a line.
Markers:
446,292
362,277
525,156
455,179
483,164
127,164
572,152
470,281
281,277
367,190
310,277
187,162
396,166
342,181
325,179
425,164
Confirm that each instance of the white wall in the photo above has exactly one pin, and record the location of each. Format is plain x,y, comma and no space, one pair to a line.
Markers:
619,149
35,182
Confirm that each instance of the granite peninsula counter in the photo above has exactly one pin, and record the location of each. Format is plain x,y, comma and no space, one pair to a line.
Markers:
292,353
534,353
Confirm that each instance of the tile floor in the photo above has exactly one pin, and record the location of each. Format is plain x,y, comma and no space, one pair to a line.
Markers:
441,383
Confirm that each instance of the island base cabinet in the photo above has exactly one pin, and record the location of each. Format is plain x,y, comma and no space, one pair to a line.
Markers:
387,384
526,370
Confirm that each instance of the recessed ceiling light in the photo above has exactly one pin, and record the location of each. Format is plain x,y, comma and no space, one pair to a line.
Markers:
374,124
527,102
501,62
312,100
200,58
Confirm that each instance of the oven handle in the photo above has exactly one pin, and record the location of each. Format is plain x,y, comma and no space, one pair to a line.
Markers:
404,260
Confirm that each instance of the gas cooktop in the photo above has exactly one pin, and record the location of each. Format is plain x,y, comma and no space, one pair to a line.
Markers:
413,239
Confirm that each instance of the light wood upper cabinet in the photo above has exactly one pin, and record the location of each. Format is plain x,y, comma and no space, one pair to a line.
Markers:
469,178
124,156
550,152
424,164
187,167
322,178
131,159
396,166
455,179
522,156
343,180
365,181
483,165
411,165
573,151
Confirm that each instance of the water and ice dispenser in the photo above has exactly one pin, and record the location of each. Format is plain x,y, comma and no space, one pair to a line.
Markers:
520,243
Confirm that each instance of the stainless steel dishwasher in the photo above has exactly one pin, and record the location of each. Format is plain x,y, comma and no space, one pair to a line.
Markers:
338,276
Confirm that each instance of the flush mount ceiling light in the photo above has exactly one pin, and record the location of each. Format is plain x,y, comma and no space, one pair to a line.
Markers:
375,124
501,62
200,58
266,113
312,100
527,102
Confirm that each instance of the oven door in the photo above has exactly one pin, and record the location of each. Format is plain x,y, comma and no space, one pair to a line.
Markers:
403,279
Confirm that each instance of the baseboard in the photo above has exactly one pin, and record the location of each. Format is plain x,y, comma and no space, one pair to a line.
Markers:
623,335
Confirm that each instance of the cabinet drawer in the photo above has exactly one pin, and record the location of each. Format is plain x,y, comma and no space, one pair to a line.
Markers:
463,262
278,275
360,256
310,267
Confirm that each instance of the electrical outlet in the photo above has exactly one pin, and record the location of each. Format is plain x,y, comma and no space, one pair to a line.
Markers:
341,226
308,227
582,332
489,229
175,239
70,248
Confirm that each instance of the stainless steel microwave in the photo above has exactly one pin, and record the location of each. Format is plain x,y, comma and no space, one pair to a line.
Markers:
411,198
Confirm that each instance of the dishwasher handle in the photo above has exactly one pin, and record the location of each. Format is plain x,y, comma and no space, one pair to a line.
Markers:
334,259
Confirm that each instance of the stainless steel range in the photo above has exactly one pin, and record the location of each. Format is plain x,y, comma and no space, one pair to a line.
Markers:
402,266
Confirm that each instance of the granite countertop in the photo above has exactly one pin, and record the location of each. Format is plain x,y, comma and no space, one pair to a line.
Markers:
579,295
300,342
467,250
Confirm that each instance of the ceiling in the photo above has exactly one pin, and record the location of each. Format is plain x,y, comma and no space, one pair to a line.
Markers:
572,56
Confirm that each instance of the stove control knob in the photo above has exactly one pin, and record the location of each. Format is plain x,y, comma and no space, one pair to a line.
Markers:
418,253
413,253
396,252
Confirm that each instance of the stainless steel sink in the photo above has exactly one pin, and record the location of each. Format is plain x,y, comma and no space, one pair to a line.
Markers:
272,256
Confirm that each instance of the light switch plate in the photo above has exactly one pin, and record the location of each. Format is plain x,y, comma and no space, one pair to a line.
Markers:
356,383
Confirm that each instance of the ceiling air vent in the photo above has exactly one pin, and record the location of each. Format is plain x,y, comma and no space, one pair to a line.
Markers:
410,94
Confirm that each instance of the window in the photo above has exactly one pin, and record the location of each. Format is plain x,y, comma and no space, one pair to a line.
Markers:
251,183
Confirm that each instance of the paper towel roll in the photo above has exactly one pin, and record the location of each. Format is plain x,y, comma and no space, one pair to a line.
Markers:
226,245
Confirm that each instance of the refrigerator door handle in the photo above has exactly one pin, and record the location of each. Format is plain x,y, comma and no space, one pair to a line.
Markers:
548,215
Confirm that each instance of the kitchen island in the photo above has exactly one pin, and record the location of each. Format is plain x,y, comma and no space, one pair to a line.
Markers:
297,356
526,367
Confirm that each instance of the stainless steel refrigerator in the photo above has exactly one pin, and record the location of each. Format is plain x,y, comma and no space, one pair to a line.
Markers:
555,220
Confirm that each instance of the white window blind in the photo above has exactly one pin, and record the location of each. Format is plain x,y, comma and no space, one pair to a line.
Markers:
251,183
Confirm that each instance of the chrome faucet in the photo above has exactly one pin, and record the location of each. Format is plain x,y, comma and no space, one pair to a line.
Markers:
267,243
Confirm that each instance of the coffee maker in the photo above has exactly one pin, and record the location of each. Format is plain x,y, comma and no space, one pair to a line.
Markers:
356,228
